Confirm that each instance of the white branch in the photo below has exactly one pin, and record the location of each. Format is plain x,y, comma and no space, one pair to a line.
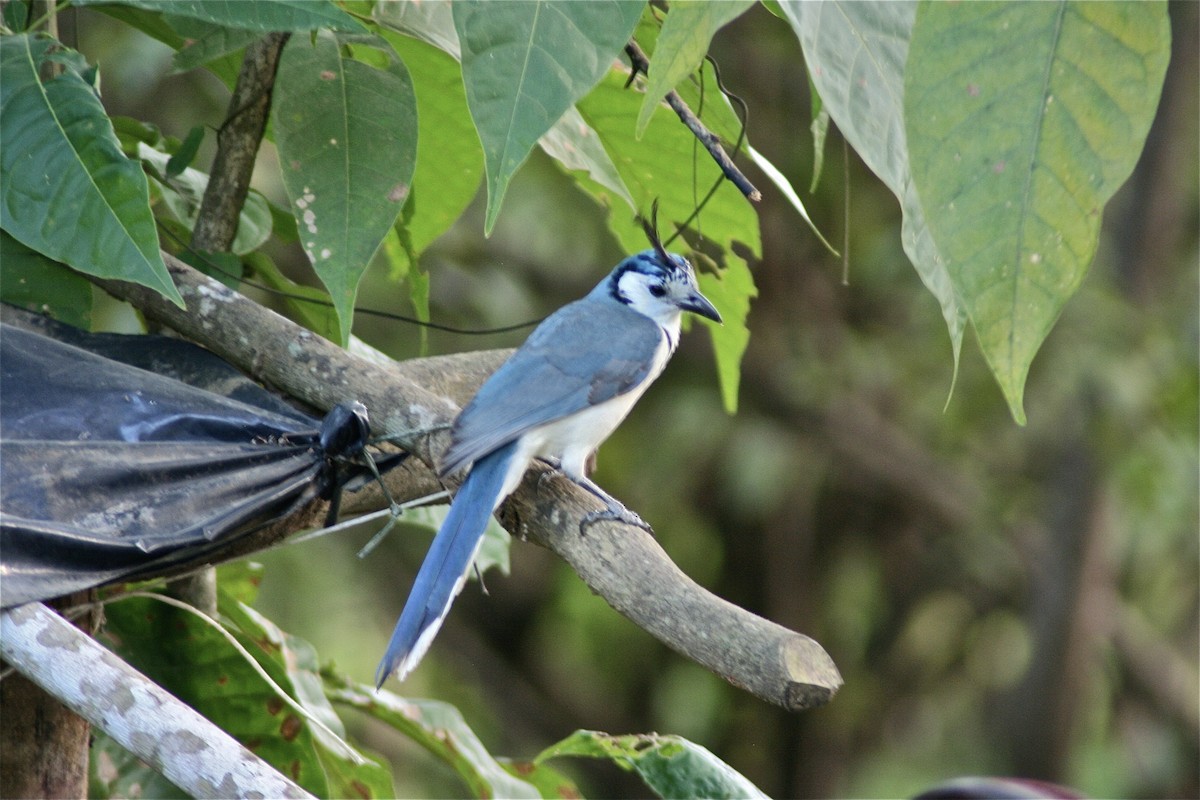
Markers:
141,716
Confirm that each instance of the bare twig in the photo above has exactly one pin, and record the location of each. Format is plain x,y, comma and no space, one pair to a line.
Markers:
710,140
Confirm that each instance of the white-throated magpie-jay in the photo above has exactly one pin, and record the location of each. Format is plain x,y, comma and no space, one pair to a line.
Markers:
557,398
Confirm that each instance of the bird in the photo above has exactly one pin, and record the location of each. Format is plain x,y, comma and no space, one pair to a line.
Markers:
556,399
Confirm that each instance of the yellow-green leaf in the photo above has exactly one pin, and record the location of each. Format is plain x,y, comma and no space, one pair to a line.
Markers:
1022,121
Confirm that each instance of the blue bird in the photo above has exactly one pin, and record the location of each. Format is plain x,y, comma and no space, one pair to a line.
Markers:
557,399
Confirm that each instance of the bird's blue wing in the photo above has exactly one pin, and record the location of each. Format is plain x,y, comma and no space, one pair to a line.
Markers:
587,352
444,569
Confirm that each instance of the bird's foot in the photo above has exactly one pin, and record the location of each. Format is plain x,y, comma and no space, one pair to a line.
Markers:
549,474
615,512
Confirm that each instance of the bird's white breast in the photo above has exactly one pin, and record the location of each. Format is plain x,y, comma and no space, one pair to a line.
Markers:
572,439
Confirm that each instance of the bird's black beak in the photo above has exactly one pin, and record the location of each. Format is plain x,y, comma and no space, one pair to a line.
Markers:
699,304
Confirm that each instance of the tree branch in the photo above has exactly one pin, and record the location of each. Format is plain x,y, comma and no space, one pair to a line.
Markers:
145,719
711,142
217,221
237,146
44,744
624,565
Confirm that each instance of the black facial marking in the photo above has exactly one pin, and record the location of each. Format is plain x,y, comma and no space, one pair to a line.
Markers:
651,263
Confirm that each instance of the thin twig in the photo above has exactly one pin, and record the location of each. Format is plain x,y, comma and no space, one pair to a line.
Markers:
710,140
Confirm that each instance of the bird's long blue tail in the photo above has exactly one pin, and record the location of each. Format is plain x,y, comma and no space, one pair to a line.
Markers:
445,567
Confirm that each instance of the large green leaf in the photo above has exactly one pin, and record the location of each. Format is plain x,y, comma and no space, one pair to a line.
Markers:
550,782
439,728
309,305
430,22
262,15
348,772
665,166
347,138
731,291
856,53
207,41
66,189
32,281
670,765
683,43
574,144
449,158
1023,119
525,64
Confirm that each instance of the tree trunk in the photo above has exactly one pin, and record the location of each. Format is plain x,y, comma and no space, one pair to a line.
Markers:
43,744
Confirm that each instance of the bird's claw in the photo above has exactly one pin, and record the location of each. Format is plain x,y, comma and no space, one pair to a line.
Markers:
616,513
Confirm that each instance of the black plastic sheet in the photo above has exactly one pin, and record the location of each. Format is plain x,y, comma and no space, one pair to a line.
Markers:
128,456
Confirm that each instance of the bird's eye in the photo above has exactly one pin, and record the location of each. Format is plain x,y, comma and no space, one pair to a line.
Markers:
657,289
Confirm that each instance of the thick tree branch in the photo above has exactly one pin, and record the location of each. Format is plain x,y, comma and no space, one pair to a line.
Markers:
622,564
145,719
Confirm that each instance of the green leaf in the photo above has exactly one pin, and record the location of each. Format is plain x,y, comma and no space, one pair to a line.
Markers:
223,267
449,158
775,176
225,66
194,662
15,16
819,127
240,579
430,22
67,190
731,291
348,772
856,53
186,154
550,783
114,772
347,138
525,64
439,728
265,17
182,194
32,281
682,44
670,765
667,169
1023,119
206,42
574,144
